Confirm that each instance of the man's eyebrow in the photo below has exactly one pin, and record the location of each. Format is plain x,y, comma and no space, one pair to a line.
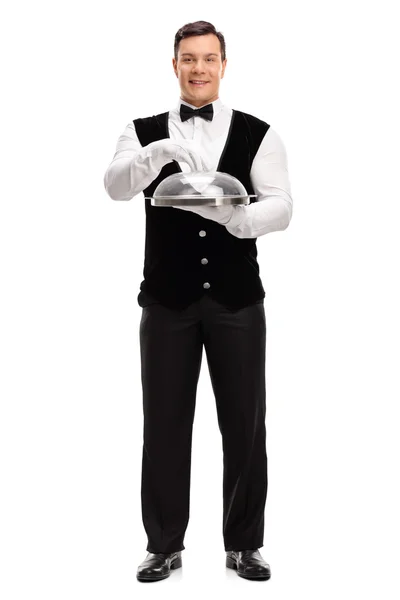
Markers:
190,54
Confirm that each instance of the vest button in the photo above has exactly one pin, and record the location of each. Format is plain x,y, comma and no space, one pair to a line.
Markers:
204,261
206,285
202,233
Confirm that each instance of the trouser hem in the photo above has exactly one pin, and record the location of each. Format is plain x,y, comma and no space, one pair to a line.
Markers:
241,547
168,551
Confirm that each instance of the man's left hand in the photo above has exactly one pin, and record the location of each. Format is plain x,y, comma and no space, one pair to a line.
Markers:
220,214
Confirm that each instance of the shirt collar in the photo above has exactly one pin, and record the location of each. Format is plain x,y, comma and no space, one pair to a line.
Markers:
217,105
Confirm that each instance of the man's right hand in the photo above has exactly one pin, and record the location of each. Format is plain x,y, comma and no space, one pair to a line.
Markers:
134,166
187,151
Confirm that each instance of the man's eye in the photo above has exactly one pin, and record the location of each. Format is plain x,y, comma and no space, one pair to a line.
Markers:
187,59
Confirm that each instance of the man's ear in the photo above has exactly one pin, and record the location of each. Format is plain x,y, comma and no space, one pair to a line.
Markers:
224,67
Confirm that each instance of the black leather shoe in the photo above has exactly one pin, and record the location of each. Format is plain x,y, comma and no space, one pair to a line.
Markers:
158,566
248,563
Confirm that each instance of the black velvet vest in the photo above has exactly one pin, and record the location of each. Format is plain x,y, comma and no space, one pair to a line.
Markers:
173,272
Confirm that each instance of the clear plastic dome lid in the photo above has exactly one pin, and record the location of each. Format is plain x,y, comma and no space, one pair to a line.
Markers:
199,187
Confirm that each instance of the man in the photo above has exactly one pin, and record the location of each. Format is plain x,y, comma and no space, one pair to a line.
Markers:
202,287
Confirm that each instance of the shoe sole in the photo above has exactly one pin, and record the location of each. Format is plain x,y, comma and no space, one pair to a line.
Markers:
231,564
176,564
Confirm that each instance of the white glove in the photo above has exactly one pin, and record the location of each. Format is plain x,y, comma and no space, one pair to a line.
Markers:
221,214
188,151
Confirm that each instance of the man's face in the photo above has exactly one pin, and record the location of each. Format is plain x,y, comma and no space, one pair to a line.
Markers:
199,59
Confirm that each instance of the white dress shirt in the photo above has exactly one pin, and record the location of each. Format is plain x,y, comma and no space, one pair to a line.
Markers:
132,170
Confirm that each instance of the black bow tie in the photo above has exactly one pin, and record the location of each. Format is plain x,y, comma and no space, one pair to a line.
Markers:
206,112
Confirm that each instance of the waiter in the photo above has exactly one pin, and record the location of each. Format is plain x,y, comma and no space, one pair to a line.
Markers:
202,287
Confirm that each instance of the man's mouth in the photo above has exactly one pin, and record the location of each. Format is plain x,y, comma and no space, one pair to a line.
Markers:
198,82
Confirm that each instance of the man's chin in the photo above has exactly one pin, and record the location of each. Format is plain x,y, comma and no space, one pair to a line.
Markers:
197,95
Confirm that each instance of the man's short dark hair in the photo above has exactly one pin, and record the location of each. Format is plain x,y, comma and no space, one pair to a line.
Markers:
198,28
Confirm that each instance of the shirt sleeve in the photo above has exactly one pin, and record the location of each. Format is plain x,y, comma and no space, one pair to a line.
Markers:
132,168
270,179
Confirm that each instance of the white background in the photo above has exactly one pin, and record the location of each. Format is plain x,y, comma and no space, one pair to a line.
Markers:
324,75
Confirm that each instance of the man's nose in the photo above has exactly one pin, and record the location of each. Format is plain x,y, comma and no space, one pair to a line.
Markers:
198,67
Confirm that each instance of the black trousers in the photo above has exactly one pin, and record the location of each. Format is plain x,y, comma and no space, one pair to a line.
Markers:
171,346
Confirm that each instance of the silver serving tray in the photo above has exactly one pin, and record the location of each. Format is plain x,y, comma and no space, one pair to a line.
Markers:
199,200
